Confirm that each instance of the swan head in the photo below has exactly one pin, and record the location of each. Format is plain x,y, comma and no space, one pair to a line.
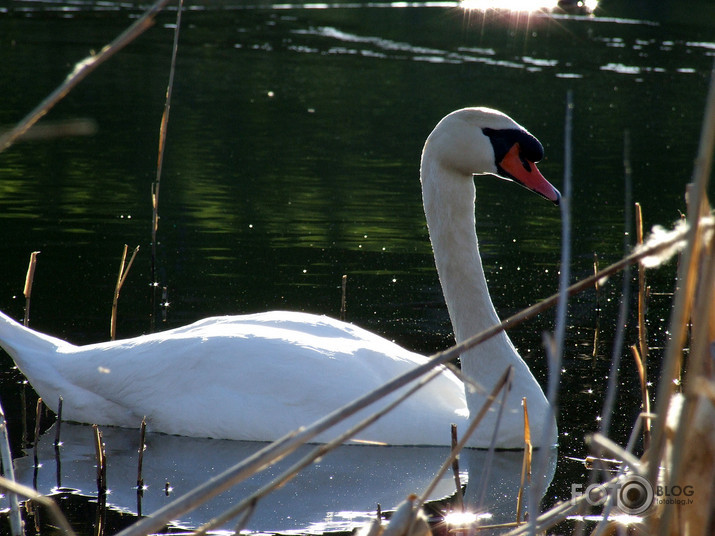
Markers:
479,141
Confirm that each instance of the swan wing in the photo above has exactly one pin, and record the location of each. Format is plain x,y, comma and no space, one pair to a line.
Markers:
252,377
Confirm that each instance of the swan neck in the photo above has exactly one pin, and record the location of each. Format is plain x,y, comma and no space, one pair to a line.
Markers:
449,200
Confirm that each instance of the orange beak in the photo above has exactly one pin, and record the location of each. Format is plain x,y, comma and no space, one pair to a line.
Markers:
526,173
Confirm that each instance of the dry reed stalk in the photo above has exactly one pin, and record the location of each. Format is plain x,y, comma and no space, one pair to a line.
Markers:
558,513
140,463
526,463
101,457
502,385
612,385
24,491
618,339
458,499
58,423
27,290
36,440
56,129
689,456
16,524
80,72
683,296
645,395
246,517
343,298
162,144
642,293
123,272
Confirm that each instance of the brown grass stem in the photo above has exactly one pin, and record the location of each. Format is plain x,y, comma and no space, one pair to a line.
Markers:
123,272
27,290
162,142
700,358
645,395
502,385
38,419
642,294
343,298
526,462
686,272
16,524
48,130
458,498
24,491
80,72
140,463
558,513
101,457
58,424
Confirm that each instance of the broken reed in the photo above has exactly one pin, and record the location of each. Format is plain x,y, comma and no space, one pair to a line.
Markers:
123,272
343,298
101,456
140,464
80,71
27,291
155,187
458,499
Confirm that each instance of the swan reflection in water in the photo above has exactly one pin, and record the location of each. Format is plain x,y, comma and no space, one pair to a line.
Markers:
338,492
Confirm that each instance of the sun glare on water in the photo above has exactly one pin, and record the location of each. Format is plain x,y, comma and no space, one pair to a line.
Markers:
464,519
523,5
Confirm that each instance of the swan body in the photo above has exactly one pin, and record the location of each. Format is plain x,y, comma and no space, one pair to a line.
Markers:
260,376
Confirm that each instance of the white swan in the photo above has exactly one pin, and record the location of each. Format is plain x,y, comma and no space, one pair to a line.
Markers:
257,377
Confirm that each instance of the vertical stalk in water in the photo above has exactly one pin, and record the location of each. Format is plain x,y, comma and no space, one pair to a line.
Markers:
123,272
16,524
160,159
27,291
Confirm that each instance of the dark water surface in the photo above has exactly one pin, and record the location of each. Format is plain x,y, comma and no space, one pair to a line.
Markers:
292,158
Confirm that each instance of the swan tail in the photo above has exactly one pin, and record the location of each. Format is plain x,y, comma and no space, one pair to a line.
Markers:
25,346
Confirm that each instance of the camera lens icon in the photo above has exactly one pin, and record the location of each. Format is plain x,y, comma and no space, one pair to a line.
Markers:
635,495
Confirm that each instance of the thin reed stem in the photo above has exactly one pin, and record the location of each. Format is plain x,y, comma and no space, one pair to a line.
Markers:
27,291
645,395
642,303
24,491
343,298
554,348
162,144
458,499
16,524
101,460
502,385
80,72
38,419
616,354
123,272
59,422
140,463
686,271
526,462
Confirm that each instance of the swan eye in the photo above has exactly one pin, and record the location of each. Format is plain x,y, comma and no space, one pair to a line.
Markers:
525,163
